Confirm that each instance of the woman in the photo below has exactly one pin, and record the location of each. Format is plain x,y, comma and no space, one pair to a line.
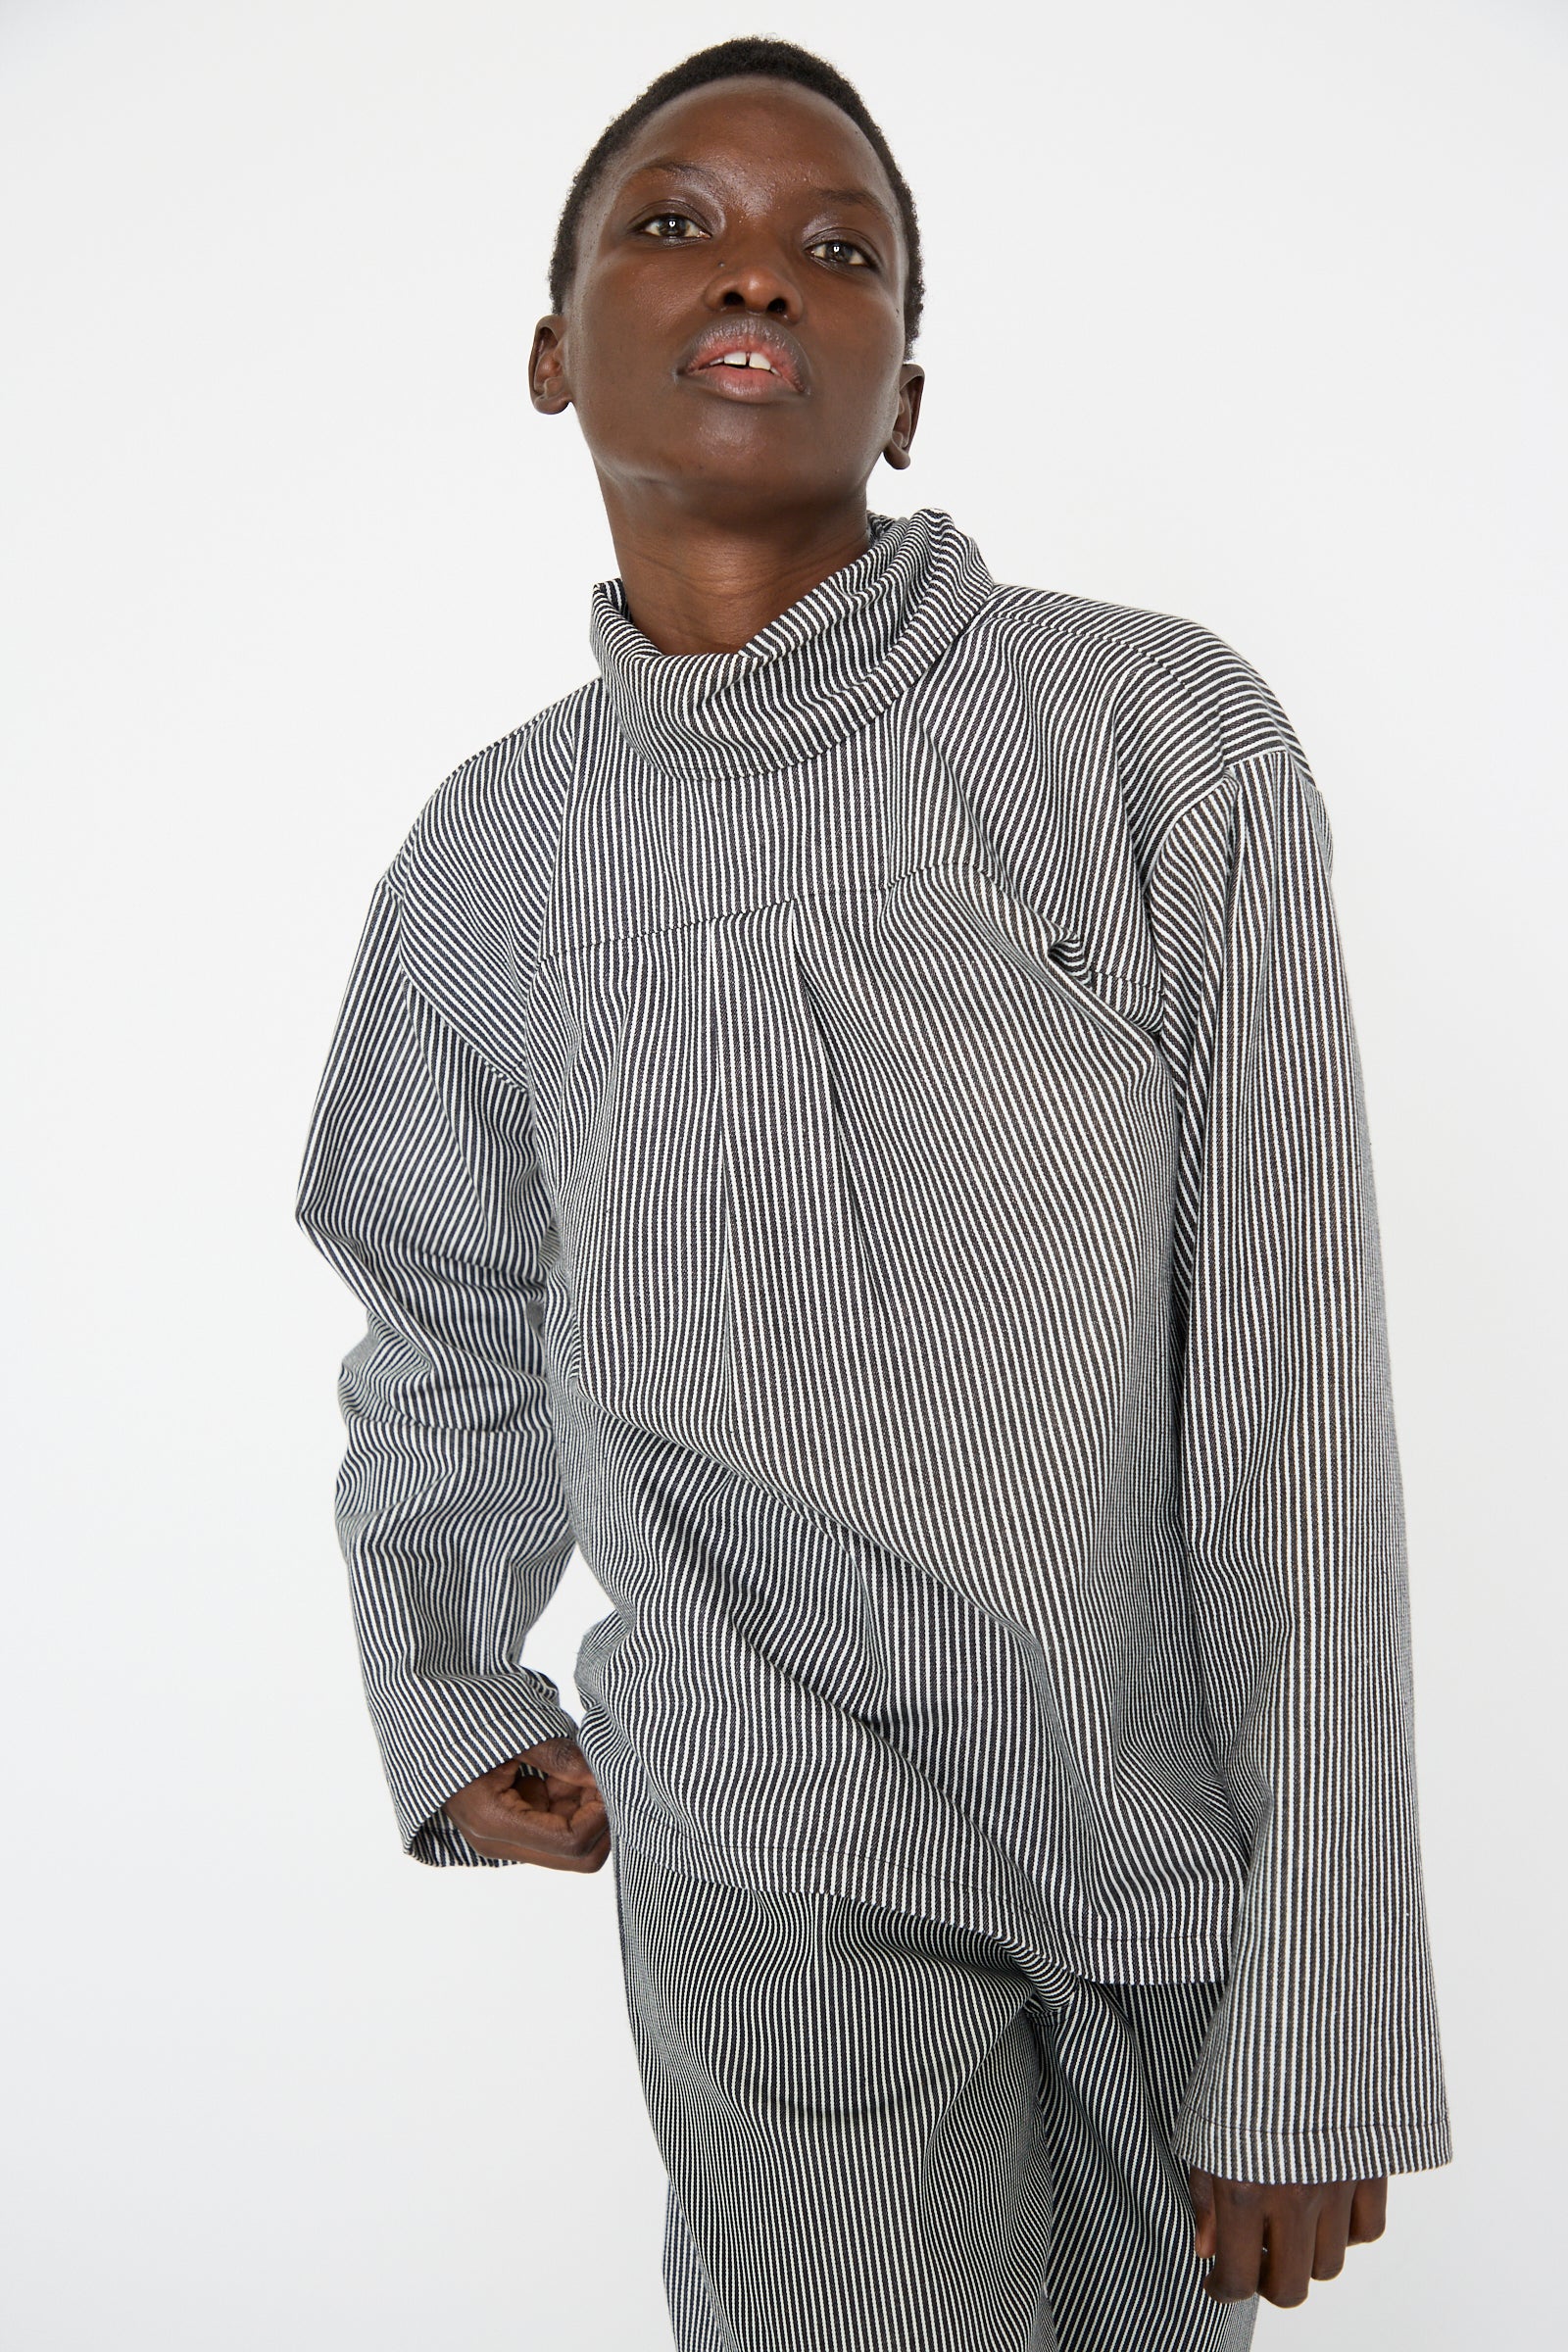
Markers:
853,1117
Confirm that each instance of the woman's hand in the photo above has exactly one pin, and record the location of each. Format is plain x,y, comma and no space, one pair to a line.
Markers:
513,1816
1273,2242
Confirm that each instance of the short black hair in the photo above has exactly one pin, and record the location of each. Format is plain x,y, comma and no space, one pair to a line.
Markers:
785,63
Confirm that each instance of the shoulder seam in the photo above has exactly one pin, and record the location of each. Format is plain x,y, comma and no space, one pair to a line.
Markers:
1227,780
432,1004
1136,657
510,746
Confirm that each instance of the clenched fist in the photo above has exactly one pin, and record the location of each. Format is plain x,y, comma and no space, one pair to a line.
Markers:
513,1816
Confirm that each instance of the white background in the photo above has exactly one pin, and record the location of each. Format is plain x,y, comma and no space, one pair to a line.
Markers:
1246,311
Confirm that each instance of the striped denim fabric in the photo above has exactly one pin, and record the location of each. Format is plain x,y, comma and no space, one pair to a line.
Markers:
867,1137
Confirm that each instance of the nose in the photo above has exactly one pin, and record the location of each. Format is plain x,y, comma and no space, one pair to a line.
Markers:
758,281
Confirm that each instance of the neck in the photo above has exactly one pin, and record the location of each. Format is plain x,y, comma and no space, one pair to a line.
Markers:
707,584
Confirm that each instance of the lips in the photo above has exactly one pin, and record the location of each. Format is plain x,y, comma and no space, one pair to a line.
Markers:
750,355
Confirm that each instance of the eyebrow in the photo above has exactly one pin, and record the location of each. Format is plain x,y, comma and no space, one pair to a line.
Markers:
675,167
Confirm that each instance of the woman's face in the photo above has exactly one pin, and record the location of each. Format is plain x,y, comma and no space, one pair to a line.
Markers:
750,215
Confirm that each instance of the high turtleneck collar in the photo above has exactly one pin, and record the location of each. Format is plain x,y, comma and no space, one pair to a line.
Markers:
828,664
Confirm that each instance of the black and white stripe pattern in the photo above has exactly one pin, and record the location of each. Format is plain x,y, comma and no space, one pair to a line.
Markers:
887,2133
866,1134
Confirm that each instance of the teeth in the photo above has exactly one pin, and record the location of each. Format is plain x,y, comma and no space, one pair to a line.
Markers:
742,359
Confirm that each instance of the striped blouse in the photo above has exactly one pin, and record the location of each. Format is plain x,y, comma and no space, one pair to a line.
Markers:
864,1135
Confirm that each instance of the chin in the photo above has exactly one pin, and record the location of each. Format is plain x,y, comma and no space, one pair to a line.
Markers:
754,469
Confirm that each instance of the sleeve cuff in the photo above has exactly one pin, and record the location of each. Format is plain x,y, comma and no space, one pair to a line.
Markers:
1347,2152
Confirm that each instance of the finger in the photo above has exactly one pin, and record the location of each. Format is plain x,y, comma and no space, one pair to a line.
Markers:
1333,2230
512,1813
566,1790
588,1819
565,1797
562,1759
565,1794
1290,2233
1369,2211
1237,2241
1203,2188
579,1864
572,1802
590,1857
500,1776
543,1800
541,1837
517,1816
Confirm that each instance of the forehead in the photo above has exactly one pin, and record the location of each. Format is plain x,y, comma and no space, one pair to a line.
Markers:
759,133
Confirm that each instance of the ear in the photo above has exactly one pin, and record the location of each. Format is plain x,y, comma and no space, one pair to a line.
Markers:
911,382
548,387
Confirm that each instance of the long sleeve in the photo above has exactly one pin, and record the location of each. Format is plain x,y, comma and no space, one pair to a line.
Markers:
1324,2059
418,1185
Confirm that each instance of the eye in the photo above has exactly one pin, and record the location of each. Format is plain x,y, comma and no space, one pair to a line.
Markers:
658,221
861,261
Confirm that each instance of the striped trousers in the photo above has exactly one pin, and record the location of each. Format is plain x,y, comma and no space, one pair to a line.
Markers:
885,2134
